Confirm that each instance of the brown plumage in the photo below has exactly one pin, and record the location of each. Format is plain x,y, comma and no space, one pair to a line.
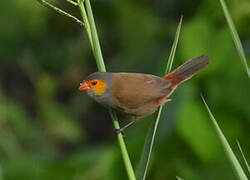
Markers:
138,94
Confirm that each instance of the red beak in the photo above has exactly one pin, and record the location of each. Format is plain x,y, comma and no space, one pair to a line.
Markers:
84,86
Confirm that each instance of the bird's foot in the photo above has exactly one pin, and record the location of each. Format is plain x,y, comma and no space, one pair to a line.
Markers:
167,100
118,131
122,130
163,100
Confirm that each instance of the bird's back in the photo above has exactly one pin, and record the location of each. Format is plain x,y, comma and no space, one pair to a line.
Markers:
137,93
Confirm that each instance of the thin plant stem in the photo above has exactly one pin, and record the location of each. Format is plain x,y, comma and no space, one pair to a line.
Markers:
173,48
168,68
95,39
88,18
244,158
86,22
152,142
60,11
72,2
126,159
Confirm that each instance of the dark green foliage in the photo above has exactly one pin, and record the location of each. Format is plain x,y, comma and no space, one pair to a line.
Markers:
49,130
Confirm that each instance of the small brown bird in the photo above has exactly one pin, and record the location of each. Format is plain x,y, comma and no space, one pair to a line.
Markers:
138,94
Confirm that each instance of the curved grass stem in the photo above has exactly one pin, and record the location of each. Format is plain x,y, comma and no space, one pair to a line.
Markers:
229,152
88,18
235,36
168,68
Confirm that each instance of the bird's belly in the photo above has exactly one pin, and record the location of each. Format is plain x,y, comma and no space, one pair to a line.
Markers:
140,111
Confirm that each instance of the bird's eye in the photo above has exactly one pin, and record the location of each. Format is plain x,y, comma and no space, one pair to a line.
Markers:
94,83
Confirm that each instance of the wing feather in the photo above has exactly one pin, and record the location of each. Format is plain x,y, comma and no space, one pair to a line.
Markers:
132,90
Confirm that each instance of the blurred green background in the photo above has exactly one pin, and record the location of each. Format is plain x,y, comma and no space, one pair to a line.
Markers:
50,130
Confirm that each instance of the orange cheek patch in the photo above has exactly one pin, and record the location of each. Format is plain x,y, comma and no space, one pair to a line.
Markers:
100,87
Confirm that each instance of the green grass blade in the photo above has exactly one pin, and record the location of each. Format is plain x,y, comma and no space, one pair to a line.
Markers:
178,178
148,147
72,2
232,158
122,144
235,36
173,48
244,158
87,26
94,41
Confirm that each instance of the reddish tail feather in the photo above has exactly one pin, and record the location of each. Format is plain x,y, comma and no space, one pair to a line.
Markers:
187,70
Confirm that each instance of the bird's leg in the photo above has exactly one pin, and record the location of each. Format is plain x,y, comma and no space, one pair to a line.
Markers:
121,130
167,100
163,100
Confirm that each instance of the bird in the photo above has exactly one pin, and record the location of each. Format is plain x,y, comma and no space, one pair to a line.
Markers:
138,94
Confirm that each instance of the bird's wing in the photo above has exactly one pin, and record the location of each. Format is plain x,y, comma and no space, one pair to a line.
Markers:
134,89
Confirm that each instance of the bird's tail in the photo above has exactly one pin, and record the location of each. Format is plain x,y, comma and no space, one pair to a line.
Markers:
187,70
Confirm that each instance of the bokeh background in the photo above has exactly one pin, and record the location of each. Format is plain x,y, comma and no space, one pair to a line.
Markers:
50,130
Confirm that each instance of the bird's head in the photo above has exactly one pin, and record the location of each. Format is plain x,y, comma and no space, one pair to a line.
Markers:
97,84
